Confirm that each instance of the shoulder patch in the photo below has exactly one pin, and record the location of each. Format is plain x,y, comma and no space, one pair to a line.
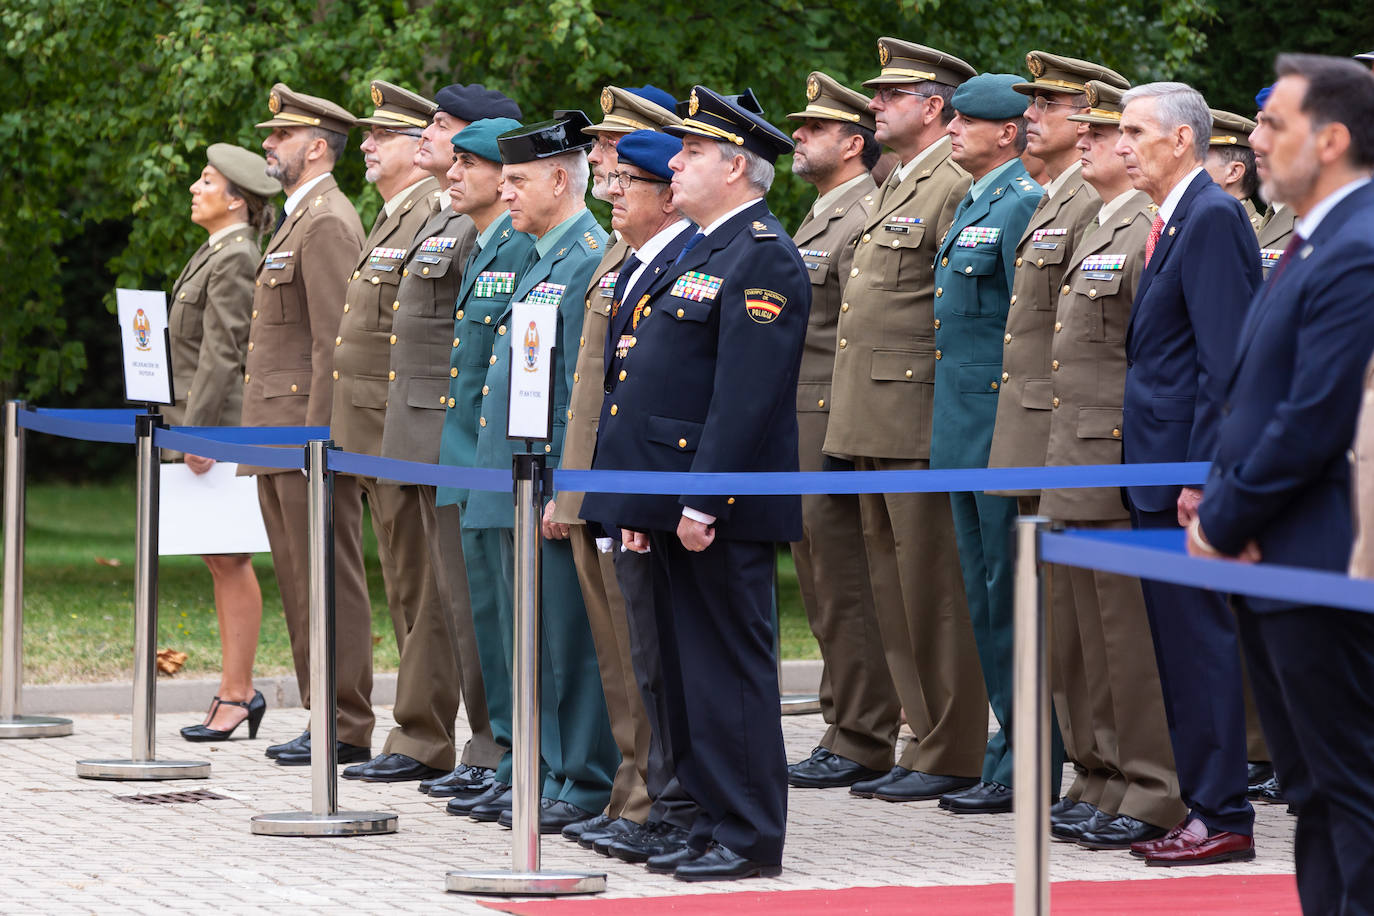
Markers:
761,230
763,306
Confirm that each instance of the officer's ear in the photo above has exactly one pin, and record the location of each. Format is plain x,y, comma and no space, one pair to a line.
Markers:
852,147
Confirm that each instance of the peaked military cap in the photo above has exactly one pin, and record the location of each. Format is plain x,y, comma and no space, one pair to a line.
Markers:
397,108
1052,73
828,100
1230,129
717,118
649,150
563,133
296,109
245,168
990,96
1104,104
479,137
625,110
475,102
746,100
905,62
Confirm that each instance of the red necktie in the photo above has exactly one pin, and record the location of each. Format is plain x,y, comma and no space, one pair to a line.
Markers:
1156,230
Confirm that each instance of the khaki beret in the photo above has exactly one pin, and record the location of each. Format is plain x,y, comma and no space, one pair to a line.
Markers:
245,168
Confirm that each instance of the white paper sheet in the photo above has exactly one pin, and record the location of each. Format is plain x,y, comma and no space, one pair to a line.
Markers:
214,512
143,334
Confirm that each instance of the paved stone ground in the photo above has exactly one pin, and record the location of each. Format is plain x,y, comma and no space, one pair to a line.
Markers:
71,845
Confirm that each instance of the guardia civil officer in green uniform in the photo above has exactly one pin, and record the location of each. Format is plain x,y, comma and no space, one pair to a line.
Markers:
973,273
488,282
544,182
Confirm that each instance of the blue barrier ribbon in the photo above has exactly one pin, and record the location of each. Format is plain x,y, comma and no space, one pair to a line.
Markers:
1162,556
257,455
256,435
90,425
494,480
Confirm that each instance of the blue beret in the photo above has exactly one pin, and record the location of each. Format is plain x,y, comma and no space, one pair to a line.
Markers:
475,102
990,96
651,93
1263,96
649,150
479,137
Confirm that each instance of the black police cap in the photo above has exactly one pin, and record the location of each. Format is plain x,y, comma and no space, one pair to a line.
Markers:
715,117
560,134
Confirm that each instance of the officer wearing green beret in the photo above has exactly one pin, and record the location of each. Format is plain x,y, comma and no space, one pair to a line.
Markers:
973,274
835,151
1231,162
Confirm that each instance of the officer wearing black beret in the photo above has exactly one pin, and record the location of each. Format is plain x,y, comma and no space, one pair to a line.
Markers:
706,383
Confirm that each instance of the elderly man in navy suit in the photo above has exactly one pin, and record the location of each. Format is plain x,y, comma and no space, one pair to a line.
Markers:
1279,486
1201,268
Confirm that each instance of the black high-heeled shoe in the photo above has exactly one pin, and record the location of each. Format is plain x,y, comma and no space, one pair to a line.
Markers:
256,708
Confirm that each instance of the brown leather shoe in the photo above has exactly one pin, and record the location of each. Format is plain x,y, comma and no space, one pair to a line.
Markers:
1195,846
1142,849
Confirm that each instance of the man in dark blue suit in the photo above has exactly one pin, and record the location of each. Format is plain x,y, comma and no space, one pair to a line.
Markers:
1279,489
1201,268
704,379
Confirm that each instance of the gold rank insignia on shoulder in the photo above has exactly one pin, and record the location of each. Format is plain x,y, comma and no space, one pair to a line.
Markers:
317,201
813,89
376,95
1035,66
274,103
693,104
883,55
1154,208
591,240
607,101
761,231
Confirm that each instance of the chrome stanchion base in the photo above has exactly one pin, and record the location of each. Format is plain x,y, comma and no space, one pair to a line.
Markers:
142,769
340,823
800,704
525,884
34,727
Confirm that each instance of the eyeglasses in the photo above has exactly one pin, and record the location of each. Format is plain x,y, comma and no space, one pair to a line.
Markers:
886,93
606,144
625,178
1042,104
386,133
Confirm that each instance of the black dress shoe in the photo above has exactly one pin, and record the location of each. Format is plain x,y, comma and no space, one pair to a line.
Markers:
554,815
1120,833
1270,792
918,786
489,811
865,788
1068,831
667,863
347,753
615,829
574,831
393,768
299,743
984,798
463,805
719,863
1256,775
462,774
1067,811
655,838
474,781
825,769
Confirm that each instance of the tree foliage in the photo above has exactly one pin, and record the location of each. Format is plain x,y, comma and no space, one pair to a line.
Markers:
111,105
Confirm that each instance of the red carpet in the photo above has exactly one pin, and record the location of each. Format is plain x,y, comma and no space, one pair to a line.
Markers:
1250,895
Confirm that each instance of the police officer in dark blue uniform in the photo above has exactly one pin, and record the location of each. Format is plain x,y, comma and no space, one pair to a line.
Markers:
703,378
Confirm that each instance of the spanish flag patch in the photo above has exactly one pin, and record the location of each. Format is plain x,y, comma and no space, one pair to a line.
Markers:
763,305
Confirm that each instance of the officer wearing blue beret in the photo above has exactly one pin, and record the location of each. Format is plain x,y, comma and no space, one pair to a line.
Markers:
973,273
704,380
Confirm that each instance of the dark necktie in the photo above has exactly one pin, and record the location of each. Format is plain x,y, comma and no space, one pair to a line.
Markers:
1296,242
622,282
691,243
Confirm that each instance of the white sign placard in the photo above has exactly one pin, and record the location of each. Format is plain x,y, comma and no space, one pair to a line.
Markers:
143,330
214,512
530,408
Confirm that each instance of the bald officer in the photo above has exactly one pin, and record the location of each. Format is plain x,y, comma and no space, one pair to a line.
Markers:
835,151
289,380
880,419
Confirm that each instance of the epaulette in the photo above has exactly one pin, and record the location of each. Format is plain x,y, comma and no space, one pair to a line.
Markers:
761,230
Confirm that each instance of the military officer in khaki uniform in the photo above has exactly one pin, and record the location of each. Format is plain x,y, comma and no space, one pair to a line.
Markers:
1231,162
289,381
1023,405
1276,226
441,648
623,111
835,151
1135,777
420,746
880,419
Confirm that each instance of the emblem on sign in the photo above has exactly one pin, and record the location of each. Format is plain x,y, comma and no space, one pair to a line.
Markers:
531,348
143,331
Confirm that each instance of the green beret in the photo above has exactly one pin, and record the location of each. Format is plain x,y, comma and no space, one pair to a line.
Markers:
245,168
479,137
990,96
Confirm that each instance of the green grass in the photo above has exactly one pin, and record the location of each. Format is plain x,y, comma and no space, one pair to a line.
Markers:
78,612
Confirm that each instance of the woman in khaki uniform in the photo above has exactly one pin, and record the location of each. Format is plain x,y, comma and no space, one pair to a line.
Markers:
211,305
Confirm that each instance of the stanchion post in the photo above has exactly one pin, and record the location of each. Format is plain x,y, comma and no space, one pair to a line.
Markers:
13,723
525,877
143,763
1031,724
324,817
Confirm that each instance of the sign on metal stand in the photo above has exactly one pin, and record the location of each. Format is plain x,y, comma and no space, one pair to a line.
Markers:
13,723
143,762
1031,724
324,817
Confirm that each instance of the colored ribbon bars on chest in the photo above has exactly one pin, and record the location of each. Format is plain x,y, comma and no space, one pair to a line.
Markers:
546,294
696,286
437,243
493,283
606,285
973,236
